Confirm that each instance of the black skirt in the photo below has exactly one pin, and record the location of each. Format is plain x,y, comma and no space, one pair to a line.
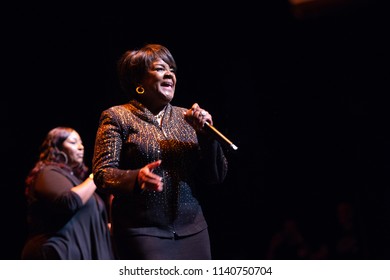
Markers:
145,247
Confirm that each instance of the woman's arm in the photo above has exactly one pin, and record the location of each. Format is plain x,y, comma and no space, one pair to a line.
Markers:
86,189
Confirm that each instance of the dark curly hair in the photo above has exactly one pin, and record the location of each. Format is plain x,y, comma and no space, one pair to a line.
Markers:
51,154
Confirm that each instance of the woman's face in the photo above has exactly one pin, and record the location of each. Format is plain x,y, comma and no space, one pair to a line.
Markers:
159,83
74,149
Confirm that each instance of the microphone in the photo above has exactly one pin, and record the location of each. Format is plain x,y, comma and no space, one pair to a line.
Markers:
211,129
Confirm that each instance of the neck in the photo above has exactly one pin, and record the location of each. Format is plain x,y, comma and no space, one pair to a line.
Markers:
157,109
153,106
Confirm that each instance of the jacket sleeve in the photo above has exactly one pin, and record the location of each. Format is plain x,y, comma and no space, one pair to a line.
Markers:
213,165
108,176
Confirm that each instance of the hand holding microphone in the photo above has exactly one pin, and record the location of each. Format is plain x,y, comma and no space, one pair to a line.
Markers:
202,121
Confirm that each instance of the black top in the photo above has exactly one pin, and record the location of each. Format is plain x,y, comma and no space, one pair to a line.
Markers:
128,138
60,226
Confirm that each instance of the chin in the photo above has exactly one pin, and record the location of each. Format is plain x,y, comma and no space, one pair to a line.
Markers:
169,98
77,163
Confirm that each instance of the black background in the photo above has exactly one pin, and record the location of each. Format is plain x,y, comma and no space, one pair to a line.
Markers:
304,99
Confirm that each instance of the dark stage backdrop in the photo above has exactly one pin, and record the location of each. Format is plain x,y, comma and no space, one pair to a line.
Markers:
304,99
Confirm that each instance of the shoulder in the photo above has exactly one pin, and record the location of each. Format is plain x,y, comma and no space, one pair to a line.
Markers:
54,172
53,180
178,110
117,109
116,113
52,169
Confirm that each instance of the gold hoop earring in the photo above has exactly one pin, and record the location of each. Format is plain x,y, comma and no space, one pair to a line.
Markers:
140,90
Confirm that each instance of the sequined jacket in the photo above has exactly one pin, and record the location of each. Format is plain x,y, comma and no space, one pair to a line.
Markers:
128,138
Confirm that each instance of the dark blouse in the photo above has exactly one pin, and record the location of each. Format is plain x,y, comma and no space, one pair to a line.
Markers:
128,138
60,226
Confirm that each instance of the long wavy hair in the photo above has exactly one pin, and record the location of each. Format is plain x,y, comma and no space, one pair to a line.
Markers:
51,153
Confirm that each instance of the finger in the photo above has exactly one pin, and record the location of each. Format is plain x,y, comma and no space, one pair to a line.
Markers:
153,164
154,181
195,106
203,113
152,186
188,113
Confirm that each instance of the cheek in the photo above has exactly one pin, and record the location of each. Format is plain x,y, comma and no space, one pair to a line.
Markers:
74,160
71,154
